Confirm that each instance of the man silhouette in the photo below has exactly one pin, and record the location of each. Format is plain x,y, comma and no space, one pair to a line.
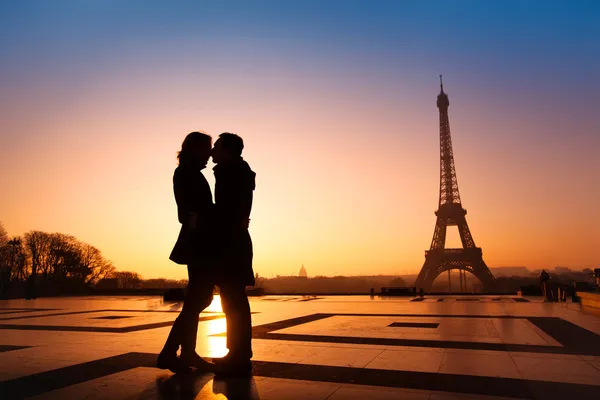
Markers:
544,278
234,186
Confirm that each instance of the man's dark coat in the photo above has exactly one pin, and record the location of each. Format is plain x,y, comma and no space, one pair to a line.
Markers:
234,186
192,194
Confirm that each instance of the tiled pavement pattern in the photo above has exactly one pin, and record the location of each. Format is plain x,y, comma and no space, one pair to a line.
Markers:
326,348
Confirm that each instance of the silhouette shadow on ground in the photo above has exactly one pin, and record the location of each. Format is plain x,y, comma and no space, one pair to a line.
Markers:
206,386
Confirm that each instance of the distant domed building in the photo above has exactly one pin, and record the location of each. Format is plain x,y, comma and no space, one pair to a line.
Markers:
303,273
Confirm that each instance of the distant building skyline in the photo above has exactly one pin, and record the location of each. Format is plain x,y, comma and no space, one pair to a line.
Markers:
302,273
510,271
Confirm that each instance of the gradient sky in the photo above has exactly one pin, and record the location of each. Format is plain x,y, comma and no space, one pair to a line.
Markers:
336,103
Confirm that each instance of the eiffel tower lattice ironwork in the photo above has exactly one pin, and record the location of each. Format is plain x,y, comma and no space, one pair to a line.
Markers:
451,213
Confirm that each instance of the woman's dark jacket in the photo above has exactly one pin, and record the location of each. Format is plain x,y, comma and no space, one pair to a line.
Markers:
234,187
192,194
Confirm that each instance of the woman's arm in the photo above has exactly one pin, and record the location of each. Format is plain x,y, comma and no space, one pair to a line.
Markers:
183,197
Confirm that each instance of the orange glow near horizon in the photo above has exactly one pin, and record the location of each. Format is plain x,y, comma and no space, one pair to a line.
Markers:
339,204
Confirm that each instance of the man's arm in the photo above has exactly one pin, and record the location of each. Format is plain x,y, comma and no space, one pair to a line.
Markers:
234,202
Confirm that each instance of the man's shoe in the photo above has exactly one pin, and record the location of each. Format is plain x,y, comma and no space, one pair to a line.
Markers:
195,361
232,358
232,368
172,363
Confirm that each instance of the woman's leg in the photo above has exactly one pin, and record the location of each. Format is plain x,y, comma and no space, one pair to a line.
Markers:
185,327
175,335
199,297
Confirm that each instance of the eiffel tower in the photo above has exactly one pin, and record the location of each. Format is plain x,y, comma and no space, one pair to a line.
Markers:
451,213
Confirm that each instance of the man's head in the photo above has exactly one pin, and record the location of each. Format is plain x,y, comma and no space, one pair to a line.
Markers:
228,147
195,149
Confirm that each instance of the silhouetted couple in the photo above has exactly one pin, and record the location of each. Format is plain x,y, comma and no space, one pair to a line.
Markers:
215,245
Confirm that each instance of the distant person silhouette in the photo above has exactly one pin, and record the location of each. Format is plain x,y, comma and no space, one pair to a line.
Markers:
234,187
194,248
544,278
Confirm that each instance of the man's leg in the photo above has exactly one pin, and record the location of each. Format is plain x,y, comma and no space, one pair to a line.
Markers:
229,316
239,321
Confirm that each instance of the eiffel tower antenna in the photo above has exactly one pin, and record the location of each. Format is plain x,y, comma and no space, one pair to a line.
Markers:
451,213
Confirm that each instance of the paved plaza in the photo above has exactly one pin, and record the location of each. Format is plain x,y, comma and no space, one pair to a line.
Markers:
333,348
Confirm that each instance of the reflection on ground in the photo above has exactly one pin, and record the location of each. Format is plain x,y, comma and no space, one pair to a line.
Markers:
192,387
217,345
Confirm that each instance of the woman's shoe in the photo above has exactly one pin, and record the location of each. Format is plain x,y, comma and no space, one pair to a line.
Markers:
171,362
195,361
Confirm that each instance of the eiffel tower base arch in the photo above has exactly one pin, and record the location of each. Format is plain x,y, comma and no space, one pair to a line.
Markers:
440,260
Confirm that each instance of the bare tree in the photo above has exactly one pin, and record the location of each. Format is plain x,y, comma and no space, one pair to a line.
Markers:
5,267
127,279
4,248
18,259
38,243
94,264
3,235
63,257
163,283
59,256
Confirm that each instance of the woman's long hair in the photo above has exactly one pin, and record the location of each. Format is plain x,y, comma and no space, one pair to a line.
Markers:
193,140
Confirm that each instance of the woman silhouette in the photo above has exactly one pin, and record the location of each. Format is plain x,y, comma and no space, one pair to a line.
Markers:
193,248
